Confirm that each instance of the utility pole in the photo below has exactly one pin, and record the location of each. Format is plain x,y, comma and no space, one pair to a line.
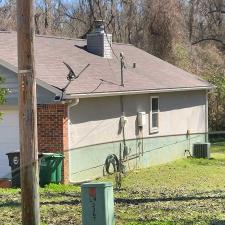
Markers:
122,68
28,113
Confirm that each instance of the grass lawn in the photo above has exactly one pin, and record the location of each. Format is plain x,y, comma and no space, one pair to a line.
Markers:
189,191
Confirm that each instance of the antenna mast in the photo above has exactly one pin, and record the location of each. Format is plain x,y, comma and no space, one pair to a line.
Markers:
122,68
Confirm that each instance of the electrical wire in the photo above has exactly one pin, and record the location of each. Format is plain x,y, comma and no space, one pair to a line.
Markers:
131,157
148,151
109,82
99,85
102,81
101,165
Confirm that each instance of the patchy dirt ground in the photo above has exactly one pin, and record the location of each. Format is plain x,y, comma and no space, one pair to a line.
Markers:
190,191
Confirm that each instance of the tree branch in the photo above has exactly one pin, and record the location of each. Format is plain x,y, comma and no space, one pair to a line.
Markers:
75,18
209,39
72,16
217,11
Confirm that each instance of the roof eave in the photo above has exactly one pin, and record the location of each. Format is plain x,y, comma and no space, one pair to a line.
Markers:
150,91
41,83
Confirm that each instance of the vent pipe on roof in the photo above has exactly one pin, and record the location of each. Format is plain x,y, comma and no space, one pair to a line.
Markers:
98,42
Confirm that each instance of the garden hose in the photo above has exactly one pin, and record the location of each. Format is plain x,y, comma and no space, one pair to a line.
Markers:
112,159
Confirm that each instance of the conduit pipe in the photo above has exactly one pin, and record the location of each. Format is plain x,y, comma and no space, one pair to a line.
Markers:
207,117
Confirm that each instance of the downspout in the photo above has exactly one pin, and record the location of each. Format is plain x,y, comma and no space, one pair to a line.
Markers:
71,104
207,116
121,97
123,114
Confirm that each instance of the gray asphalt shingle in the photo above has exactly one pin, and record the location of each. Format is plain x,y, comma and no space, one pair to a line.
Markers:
151,73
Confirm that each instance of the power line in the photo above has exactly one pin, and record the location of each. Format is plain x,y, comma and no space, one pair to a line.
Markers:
97,166
161,147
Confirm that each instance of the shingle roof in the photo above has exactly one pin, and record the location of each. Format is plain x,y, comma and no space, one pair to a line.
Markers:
151,73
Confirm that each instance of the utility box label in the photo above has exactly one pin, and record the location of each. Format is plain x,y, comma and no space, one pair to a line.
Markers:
92,199
92,192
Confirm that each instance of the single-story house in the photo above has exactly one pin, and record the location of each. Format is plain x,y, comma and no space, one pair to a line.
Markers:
144,108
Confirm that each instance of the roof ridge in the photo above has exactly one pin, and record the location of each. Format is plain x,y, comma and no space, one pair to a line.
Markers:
65,38
46,36
75,39
59,37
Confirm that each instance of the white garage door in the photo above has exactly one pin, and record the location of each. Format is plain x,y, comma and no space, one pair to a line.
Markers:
9,139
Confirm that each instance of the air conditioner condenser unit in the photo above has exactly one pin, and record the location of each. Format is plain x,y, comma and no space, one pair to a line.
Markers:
201,150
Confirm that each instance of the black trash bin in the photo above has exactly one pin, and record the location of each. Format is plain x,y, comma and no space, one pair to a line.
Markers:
14,163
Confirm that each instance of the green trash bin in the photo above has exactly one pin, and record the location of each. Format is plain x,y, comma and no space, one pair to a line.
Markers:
51,168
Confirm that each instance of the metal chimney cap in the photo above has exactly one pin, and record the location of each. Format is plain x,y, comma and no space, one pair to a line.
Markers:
99,26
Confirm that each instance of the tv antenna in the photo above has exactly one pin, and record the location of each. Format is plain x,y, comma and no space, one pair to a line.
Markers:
71,76
122,67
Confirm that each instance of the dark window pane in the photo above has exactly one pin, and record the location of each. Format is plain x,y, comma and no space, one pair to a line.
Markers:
155,119
155,104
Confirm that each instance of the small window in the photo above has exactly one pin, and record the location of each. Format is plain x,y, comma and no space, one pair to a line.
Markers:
154,114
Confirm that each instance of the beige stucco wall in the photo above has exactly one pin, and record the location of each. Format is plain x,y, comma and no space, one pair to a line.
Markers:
97,120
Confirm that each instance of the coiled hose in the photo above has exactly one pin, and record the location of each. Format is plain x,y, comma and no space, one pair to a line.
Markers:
114,161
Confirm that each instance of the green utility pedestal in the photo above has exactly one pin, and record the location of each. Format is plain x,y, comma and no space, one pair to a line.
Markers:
97,204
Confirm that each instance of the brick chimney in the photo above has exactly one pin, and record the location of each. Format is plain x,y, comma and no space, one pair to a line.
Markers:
98,42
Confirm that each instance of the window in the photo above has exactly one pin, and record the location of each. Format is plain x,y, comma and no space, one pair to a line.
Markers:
154,114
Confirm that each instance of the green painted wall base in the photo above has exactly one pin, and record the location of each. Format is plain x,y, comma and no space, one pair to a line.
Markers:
87,163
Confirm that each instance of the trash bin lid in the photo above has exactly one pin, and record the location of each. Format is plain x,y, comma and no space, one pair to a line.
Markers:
55,155
97,185
47,153
13,153
18,153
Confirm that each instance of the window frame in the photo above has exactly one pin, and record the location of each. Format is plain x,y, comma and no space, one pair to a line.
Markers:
153,129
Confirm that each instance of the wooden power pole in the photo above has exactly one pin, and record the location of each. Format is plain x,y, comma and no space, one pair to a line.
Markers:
28,113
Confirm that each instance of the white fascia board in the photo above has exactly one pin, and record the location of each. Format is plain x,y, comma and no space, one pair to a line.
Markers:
108,94
9,66
39,82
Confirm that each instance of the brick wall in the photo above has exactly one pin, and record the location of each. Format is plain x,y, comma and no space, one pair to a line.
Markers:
52,121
